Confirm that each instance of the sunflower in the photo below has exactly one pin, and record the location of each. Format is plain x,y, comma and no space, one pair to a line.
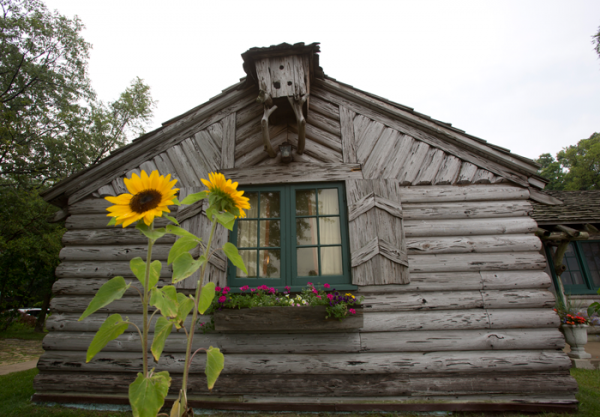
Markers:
226,192
149,198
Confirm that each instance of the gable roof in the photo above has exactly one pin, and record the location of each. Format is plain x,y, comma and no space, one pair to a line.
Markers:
191,124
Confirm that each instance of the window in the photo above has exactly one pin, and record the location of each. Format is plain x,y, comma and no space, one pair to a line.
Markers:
292,235
582,260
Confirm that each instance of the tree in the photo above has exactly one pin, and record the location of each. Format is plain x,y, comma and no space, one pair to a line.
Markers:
596,42
576,167
51,125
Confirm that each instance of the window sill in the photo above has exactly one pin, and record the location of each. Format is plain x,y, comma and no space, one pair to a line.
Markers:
283,320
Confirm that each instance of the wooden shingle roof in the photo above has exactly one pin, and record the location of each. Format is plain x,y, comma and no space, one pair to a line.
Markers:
579,207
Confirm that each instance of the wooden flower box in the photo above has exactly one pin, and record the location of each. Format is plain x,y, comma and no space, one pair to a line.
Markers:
283,320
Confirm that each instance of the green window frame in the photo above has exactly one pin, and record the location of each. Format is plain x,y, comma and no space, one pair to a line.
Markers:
582,260
289,244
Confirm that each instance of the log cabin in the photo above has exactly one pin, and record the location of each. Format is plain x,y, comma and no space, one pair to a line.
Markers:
430,224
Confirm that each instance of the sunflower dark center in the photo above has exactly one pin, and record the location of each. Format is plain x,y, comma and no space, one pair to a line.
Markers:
144,201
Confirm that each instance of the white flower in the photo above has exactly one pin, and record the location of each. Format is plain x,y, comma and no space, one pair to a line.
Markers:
303,301
287,296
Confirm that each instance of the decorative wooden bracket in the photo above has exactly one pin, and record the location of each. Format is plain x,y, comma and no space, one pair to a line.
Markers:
297,104
264,125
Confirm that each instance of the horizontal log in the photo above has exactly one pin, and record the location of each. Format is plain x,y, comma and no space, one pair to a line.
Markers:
439,300
113,252
450,193
408,363
328,385
69,322
462,340
466,210
457,300
478,244
239,343
467,319
293,172
104,269
97,205
90,286
99,221
468,227
111,236
476,262
374,321
462,281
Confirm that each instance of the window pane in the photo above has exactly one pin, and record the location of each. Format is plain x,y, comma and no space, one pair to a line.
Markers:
592,256
306,203
306,231
269,204
247,234
331,261
308,262
253,212
572,278
270,233
269,261
328,201
329,228
249,257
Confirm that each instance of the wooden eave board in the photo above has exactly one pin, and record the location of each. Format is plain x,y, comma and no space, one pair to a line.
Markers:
149,145
477,145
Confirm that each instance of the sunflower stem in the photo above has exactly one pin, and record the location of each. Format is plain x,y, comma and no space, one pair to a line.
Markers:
145,303
199,286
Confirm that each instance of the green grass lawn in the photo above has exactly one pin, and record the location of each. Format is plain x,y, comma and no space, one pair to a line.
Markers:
16,390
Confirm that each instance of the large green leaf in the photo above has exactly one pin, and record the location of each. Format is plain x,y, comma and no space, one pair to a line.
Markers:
138,267
171,219
181,246
233,255
206,297
185,306
176,230
147,395
112,221
215,362
109,292
192,198
226,219
165,299
185,265
113,327
162,330
152,234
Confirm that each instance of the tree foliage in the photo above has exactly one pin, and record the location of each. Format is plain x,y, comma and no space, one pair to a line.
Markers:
51,125
576,167
596,42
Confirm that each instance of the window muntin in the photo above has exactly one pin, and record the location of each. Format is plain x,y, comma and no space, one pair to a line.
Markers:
582,260
293,234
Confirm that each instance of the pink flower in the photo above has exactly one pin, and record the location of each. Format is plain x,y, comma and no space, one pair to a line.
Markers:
326,286
252,290
319,297
222,299
287,287
330,296
218,289
315,290
309,284
272,290
244,288
227,289
352,311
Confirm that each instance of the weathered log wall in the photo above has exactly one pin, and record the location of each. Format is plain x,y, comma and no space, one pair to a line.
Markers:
472,318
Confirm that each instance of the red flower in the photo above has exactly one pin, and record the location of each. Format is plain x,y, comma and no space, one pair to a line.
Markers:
326,286
222,299
352,311
218,289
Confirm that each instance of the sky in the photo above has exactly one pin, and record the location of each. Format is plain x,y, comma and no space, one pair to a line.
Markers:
520,74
